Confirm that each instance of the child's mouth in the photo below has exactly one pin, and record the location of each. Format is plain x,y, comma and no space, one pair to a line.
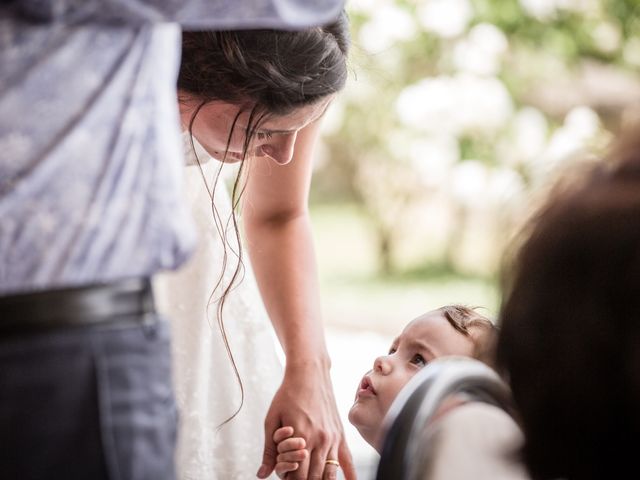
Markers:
366,387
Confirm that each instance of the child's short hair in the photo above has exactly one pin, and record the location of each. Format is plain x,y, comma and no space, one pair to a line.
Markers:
482,331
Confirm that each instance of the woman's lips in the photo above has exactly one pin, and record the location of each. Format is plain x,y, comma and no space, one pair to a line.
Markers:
229,156
237,156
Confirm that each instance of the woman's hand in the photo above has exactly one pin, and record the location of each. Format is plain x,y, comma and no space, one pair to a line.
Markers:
305,401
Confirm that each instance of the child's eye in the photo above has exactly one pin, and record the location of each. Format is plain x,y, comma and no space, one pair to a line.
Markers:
392,350
418,360
264,135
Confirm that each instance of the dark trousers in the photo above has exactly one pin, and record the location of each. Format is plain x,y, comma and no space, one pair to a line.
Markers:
88,403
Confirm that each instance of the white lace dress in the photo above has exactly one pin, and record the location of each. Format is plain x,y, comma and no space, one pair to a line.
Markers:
207,392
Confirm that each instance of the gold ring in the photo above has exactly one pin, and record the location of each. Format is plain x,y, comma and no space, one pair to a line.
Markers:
332,462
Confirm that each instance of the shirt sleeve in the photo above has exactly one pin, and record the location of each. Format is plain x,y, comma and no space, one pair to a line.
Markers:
191,14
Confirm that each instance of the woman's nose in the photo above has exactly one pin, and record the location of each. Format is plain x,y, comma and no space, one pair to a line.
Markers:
382,365
280,147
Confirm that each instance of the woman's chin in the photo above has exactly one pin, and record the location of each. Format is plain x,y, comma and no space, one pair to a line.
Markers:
229,157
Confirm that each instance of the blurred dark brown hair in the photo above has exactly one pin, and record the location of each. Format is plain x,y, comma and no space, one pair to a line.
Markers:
569,340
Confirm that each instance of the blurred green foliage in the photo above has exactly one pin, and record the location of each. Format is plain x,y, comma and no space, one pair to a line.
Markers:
371,158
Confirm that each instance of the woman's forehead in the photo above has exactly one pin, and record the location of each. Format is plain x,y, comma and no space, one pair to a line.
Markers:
297,118
291,122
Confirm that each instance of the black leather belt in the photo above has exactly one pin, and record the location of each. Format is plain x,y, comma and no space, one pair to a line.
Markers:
124,301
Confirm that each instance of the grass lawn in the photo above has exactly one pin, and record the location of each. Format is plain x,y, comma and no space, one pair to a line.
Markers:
355,296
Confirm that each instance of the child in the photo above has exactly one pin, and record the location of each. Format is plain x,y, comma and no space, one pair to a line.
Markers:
450,330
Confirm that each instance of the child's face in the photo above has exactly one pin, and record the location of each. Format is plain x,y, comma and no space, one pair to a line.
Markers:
425,338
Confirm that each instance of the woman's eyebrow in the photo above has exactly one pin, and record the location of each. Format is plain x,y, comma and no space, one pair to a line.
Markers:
275,132
281,132
265,130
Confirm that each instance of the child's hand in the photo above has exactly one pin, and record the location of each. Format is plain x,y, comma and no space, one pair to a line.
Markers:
291,451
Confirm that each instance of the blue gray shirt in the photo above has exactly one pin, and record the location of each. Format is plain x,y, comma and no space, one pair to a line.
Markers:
90,150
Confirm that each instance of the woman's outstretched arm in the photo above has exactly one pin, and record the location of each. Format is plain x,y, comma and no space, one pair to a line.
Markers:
279,240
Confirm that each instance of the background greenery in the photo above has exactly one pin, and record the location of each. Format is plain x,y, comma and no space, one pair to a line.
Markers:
457,116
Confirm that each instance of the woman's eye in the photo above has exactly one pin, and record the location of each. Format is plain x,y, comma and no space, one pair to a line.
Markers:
264,135
419,360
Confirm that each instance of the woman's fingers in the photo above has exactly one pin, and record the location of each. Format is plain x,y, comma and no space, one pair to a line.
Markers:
346,461
270,451
317,464
326,466
283,468
331,465
300,473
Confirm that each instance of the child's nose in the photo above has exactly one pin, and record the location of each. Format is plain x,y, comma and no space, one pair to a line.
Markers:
382,364
280,147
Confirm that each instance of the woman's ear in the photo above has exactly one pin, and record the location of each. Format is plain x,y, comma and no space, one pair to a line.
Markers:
188,107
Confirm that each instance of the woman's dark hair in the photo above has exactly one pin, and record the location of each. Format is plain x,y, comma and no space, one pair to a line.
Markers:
265,73
570,324
274,71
